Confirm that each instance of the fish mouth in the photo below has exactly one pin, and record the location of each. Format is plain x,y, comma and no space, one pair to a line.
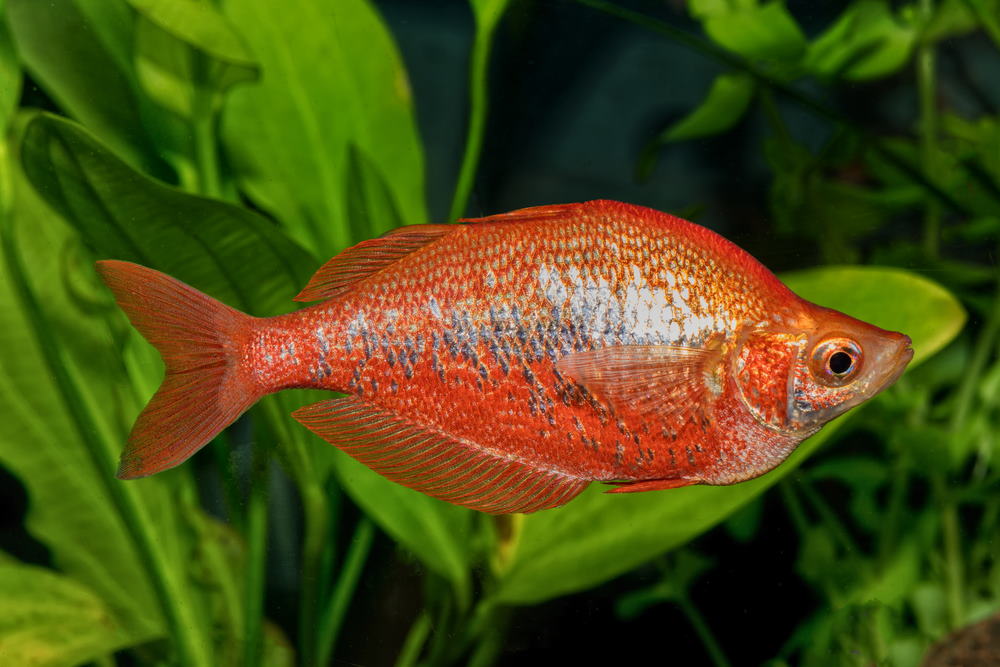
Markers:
896,363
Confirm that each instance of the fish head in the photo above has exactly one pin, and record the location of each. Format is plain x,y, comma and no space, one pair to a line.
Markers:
796,381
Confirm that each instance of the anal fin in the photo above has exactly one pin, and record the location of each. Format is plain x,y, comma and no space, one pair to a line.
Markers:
652,485
436,463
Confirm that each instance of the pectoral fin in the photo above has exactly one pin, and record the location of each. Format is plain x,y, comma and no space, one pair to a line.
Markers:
670,382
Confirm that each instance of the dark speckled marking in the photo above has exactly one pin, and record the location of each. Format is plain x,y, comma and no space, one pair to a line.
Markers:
690,455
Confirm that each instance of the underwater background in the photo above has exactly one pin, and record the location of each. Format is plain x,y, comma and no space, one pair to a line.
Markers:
852,147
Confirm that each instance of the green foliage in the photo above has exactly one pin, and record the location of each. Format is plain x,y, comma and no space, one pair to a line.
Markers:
305,111
332,85
867,41
49,619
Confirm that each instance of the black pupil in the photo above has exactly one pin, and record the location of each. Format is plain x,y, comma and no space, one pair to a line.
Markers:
840,362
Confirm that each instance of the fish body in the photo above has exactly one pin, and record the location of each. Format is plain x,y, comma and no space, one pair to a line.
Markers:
507,363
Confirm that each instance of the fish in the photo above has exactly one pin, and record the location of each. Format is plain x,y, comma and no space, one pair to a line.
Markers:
506,363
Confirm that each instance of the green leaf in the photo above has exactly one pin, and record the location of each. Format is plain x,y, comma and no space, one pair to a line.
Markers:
200,25
187,55
727,101
725,104
702,9
766,32
866,42
436,532
42,441
599,536
10,74
49,619
331,77
221,249
120,213
371,207
224,250
79,52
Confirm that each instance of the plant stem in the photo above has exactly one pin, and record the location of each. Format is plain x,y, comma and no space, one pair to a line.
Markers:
256,536
491,640
414,641
203,118
794,506
829,517
333,615
184,626
479,60
220,570
316,539
928,130
984,347
704,633
722,56
894,505
206,156
954,568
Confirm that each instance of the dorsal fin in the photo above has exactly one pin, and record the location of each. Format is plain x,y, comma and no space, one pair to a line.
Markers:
436,463
531,213
672,383
368,257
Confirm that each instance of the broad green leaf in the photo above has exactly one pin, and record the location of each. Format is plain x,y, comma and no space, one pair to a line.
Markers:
64,464
866,42
199,24
10,74
50,619
79,52
599,536
371,208
702,9
331,77
767,32
436,532
187,56
726,102
224,250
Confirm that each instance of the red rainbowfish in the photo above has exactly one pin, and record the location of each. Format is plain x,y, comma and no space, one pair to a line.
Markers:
506,363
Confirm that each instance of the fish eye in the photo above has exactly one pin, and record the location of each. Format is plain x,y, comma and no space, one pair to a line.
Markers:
836,361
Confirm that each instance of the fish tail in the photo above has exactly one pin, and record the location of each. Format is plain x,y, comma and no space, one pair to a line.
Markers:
205,388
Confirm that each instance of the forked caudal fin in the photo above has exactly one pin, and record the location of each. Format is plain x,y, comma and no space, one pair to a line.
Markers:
204,389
